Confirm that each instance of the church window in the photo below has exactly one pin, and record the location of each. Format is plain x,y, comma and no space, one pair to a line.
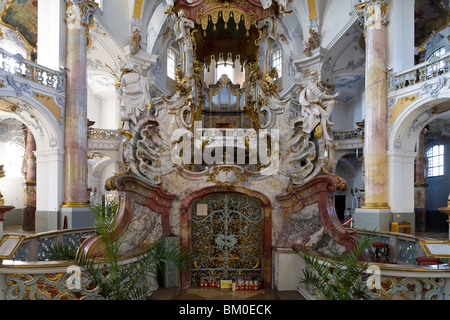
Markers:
277,61
435,156
171,63
225,68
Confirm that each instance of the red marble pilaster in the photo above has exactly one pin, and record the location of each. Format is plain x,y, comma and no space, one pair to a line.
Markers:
28,213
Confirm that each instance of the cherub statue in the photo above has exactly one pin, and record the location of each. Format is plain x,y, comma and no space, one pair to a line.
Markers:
313,42
270,85
136,41
182,81
316,106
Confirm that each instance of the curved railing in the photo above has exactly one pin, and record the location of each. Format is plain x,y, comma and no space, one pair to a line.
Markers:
19,66
401,279
36,247
420,73
30,275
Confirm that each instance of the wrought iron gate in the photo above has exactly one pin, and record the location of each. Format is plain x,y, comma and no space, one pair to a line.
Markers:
226,237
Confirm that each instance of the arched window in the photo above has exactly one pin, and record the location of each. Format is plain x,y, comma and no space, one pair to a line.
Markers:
277,62
435,156
171,64
225,68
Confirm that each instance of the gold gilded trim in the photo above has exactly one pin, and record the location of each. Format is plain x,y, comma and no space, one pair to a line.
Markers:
7,106
376,205
50,104
312,9
401,105
75,204
424,243
19,239
137,9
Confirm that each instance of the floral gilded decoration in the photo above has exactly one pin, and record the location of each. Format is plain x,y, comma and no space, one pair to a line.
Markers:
49,286
400,288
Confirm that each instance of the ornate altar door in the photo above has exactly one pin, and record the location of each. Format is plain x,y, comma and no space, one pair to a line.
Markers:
226,237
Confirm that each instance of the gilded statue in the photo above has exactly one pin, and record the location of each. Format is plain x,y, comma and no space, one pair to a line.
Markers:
316,106
182,82
270,86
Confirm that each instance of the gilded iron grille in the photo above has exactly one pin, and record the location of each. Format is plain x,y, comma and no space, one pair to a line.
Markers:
226,238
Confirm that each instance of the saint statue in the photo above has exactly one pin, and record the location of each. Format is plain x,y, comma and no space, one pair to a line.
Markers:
135,95
316,106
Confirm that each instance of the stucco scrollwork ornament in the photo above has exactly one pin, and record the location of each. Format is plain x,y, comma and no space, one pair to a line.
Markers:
147,153
152,153
266,4
372,11
316,106
80,13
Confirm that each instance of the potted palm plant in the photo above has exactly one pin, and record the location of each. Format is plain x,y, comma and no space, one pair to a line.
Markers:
338,277
117,281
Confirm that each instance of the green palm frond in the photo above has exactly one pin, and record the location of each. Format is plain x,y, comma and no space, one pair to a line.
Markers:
61,251
116,281
339,277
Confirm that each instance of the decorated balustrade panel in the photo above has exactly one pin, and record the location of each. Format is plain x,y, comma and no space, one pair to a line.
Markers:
51,286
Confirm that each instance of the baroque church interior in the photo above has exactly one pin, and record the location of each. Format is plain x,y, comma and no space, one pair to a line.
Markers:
248,133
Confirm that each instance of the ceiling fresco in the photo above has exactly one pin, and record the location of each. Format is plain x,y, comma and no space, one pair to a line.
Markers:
430,15
22,15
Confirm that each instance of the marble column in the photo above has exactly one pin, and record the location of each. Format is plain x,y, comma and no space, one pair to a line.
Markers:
28,213
375,213
79,16
375,126
420,187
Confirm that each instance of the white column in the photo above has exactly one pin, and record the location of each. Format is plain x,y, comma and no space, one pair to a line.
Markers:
401,186
49,188
401,180
51,33
400,35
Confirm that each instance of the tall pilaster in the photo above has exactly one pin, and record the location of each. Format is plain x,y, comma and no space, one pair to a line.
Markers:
375,127
375,212
29,212
79,16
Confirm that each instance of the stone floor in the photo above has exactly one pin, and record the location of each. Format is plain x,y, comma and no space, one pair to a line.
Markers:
224,294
